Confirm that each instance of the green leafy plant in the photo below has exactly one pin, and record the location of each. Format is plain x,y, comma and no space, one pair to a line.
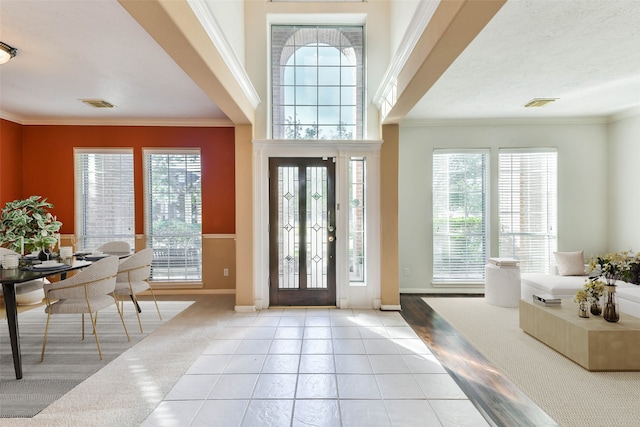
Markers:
28,222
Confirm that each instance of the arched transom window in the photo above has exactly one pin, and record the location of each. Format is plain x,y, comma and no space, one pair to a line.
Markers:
317,86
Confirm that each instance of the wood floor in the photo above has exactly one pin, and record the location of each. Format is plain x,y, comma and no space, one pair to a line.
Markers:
497,398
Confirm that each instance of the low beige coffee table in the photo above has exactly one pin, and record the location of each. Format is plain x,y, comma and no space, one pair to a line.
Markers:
593,343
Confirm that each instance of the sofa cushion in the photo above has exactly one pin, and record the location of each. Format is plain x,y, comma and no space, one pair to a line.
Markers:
570,263
555,285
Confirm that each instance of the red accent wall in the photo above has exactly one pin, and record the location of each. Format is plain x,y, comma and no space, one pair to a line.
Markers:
10,161
49,166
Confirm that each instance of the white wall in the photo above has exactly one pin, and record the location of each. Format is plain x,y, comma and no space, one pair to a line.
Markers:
582,174
229,15
402,12
623,192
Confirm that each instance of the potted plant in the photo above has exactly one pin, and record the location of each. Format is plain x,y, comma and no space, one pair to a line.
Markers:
27,225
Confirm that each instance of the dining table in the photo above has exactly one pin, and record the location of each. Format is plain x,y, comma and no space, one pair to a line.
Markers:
12,278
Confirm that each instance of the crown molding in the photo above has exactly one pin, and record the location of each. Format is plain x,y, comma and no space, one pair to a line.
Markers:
210,25
515,121
626,114
82,121
416,28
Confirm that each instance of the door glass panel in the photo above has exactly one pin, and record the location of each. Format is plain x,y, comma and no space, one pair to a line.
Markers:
288,226
317,227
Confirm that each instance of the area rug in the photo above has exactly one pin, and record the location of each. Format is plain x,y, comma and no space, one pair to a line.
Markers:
69,360
571,395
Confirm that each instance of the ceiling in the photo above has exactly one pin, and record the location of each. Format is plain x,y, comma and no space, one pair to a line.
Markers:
584,53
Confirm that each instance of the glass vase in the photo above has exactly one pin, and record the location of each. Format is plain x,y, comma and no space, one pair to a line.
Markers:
611,311
596,309
583,309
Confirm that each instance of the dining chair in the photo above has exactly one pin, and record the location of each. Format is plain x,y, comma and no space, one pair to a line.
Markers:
114,246
27,293
88,291
133,278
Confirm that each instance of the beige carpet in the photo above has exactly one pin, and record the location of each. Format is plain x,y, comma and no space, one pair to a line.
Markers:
570,394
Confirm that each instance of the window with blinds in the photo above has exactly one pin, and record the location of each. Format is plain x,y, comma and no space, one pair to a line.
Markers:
173,211
104,199
459,215
528,207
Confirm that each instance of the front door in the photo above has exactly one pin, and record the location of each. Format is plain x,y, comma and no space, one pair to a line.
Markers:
302,264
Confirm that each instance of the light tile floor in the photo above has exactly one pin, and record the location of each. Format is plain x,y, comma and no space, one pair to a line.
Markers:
315,367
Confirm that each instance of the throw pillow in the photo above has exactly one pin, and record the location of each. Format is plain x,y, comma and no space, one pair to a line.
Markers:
570,263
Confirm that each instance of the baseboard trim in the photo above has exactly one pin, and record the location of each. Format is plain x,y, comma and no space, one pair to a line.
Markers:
245,308
385,307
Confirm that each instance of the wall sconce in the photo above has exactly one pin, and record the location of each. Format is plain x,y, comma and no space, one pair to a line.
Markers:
6,52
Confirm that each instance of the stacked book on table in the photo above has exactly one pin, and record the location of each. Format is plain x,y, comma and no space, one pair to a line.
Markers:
546,300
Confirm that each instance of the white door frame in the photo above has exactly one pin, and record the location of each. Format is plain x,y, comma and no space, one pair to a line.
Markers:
365,295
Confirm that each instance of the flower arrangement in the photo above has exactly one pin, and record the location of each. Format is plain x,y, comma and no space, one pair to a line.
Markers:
594,288
614,266
581,296
27,225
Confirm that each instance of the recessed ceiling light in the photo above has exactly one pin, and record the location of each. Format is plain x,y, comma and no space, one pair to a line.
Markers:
98,103
539,102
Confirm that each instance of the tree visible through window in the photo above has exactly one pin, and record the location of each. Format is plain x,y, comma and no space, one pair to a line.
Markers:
174,214
459,215
528,207
104,197
317,87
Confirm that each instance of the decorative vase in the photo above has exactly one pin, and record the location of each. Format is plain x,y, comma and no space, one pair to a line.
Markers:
610,312
596,309
583,309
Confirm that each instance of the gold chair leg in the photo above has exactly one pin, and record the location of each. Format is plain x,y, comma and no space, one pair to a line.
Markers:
44,341
135,308
95,332
121,318
156,302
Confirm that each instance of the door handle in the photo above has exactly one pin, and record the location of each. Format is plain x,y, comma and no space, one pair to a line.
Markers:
332,238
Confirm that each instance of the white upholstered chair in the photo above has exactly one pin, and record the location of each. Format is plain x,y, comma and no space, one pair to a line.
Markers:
133,276
27,293
88,291
114,246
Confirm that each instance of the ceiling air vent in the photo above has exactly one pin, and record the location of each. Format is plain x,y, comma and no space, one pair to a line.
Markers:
539,102
98,103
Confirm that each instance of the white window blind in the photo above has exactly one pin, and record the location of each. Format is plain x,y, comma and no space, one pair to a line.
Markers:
459,215
528,207
105,199
317,88
173,211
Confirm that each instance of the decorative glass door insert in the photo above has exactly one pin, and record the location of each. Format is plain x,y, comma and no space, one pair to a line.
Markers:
302,231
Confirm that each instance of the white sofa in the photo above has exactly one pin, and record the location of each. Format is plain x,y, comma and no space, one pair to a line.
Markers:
566,287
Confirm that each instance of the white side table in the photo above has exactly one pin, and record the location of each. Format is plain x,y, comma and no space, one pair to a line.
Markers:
502,285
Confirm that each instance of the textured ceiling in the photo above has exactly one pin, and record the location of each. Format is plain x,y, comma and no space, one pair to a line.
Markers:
68,50
585,53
